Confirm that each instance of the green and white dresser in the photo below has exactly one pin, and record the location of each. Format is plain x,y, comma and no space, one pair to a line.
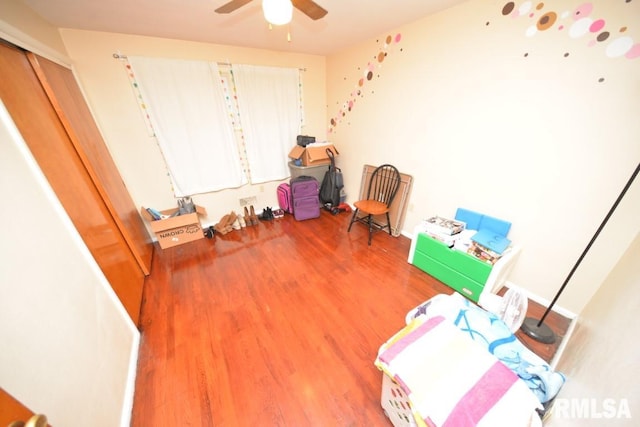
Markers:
459,270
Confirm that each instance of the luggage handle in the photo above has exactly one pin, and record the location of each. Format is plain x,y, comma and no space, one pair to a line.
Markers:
331,158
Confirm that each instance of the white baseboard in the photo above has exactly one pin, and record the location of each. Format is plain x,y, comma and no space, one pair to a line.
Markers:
560,310
563,344
543,302
130,387
406,234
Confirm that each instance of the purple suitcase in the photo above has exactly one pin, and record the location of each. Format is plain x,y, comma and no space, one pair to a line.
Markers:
284,197
304,196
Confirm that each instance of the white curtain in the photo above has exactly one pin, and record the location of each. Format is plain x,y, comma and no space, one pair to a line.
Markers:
270,115
185,100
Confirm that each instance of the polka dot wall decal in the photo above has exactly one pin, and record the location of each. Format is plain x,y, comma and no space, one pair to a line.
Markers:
531,31
546,21
508,8
368,75
597,25
619,47
582,11
634,52
582,23
524,8
580,28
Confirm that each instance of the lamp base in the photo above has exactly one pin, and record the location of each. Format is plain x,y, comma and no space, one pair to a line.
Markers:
541,333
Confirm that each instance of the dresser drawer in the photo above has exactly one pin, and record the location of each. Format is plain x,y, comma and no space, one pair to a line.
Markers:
468,265
452,278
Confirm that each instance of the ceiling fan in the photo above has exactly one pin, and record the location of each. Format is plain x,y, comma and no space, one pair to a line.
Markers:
308,7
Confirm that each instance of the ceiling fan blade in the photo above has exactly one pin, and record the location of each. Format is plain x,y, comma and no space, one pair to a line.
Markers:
310,8
231,6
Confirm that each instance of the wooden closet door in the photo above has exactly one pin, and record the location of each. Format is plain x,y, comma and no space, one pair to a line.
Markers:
64,93
31,110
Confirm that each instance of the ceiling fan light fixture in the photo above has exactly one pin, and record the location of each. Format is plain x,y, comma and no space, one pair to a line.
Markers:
277,12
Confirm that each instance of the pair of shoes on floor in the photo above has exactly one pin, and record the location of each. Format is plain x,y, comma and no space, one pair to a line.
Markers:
209,232
225,224
267,214
250,216
278,213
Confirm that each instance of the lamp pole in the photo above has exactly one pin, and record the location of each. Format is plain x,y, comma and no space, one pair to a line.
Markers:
537,329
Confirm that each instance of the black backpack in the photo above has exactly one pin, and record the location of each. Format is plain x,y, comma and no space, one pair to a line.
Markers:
332,184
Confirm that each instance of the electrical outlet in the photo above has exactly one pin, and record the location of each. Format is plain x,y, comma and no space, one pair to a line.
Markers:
248,201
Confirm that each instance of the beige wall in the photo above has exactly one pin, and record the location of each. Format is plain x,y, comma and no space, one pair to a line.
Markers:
113,102
533,139
598,364
69,349
21,26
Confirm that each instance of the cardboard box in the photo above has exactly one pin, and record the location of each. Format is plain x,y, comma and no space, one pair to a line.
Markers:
313,154
176,230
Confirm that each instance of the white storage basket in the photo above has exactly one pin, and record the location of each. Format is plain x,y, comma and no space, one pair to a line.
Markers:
396,404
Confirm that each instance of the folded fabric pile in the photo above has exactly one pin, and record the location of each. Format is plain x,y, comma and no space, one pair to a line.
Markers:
495,336
451,380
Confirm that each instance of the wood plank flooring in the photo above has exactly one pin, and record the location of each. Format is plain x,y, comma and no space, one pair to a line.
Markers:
275,325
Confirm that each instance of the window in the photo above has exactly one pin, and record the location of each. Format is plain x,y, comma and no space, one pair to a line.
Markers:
219,127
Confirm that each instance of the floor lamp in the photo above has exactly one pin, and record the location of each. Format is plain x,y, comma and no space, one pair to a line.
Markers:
536,329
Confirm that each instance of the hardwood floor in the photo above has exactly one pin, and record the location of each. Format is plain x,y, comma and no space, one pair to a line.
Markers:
274,325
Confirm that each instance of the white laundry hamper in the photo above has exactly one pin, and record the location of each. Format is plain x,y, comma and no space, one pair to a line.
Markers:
395,404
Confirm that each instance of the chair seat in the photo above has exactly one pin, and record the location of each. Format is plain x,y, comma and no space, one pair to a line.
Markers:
382,188
372,207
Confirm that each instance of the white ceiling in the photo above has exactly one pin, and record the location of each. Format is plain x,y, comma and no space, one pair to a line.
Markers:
348,22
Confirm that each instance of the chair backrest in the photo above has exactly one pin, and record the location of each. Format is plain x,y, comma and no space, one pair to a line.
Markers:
384,184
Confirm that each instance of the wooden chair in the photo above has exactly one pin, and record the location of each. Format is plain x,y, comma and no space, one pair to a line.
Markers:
382,188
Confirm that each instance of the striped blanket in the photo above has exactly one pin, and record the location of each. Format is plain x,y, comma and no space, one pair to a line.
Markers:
488,330
452,381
